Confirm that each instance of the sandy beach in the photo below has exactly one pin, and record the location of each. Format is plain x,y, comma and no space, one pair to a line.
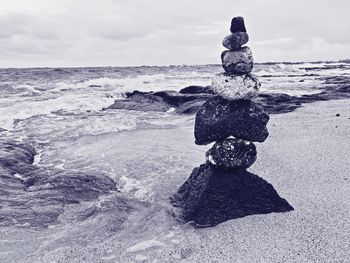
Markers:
174,131
304,159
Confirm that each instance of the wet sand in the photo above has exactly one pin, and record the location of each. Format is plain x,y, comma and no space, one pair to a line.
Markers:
304,158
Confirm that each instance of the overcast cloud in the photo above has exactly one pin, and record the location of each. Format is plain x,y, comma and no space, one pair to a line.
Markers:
164,32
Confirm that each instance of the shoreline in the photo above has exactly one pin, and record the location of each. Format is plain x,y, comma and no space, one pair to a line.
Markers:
304,159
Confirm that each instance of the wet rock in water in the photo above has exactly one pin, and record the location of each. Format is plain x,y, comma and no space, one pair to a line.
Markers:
16,157
218,119
191,107
34,196
176,99
235,40
238,61
161,100
237,25
71,186
234,87
141,102
232,153
212,195
197,90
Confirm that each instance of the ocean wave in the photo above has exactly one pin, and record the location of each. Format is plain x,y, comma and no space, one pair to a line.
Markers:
21,89
21,110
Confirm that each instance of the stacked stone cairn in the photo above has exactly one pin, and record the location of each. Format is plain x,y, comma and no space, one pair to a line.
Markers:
222,188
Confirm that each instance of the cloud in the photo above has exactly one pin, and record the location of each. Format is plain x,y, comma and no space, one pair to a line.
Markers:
160,32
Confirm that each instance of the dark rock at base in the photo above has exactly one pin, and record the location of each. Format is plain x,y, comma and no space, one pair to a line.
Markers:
197,90
238,61
232,153
235,40
211,196
237,25
218,119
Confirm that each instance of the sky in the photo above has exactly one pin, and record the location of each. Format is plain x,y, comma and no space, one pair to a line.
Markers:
68,33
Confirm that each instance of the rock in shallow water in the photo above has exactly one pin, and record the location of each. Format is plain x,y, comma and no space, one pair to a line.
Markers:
218,119
162,100
234,87
232,153
235,40
34,196
238,61
196,90
212,195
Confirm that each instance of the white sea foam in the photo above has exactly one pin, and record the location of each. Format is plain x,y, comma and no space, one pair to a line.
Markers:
28,108
139,189
145,245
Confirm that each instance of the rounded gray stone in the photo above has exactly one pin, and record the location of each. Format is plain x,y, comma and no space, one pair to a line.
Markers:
235,40
237,61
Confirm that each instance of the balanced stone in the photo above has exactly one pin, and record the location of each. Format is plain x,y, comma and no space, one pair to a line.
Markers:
235,40
219,119
213,195
222,188
237,61
237,25
232,153
234,87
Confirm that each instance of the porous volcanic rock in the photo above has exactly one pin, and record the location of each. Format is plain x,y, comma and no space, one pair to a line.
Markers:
232,153
235,87
218,119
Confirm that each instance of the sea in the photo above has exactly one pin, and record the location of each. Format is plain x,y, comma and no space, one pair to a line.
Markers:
58,111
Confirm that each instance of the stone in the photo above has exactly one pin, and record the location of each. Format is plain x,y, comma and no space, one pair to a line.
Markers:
218,119
149,103
232,153
158,101
238,61
235,40
36,196
196,90
235,87
212,195
190,107
237,25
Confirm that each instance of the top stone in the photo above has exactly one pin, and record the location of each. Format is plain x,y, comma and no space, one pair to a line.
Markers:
237,25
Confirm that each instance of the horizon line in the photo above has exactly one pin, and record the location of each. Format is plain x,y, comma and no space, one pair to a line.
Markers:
181,65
